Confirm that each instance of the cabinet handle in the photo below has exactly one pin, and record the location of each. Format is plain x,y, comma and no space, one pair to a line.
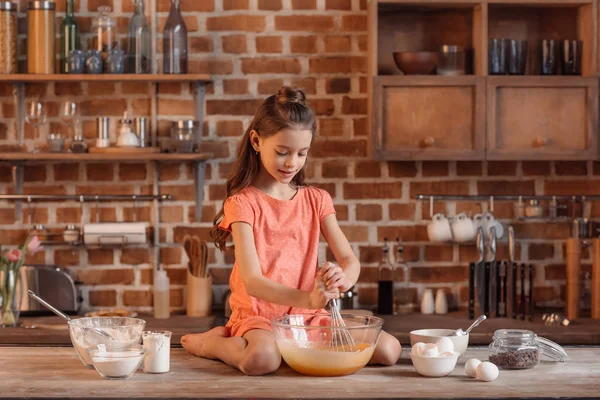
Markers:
540,142
428,142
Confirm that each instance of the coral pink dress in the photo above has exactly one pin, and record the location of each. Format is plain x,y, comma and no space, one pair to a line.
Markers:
286,234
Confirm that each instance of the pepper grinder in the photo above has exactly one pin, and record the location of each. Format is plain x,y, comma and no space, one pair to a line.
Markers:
427,303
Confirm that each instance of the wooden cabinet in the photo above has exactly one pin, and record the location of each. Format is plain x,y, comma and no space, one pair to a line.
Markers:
542,118
479,116
429,118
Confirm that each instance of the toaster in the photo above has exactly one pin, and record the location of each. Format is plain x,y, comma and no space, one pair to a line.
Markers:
51,283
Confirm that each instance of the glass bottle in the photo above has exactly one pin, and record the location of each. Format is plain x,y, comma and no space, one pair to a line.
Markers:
69,37
175,46
385,292
105,33
139,51
402,296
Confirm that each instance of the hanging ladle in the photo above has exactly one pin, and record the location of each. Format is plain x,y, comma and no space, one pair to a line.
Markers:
65,316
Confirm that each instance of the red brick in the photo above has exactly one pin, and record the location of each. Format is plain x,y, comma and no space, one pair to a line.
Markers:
105,214
544,231
171,214
439,253
217,192
106,276
469,168
68,215
235,44
360,126
322,106
404,212
338,85
103,298
170,255
328,187
441,187
179,192
269,86
246,23
177,276
134,256
541,251
269,44
303,44
571,186
67,89
269,5
439,274
334,169
220,66
208,214
203,44
502,168
356,233
304,4
187,5
570,168
339,148
176,297
536,168
100,256
94,4
217,148
341,211
230,128
344,5
66,258
235,4
235,86
100,172
368,212
543,294
331,127
132,172
137,298
136,214
338,44
271,66
367,169
7,216
232,107
372,190
304,23
402,169
101,88
488,188
34,173
435,168
134,88
338,65
170,172
354,23
307,85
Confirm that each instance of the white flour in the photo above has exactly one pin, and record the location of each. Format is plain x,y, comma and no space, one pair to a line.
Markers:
158,351
117,367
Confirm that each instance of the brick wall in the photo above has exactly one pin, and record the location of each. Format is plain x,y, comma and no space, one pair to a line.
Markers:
251,48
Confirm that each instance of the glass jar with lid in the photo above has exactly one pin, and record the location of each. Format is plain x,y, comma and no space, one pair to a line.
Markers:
41,37
522,349
8,37
104,29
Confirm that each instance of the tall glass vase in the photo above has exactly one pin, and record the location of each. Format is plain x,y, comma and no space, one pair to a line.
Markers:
139,50
175,46
10,304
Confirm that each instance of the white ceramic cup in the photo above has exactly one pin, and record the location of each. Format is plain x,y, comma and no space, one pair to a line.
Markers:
438,229
489,222
463,228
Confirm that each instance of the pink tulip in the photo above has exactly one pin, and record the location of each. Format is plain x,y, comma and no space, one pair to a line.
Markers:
14,255
34,245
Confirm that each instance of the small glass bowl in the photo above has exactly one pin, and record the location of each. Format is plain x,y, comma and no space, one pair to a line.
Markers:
116,361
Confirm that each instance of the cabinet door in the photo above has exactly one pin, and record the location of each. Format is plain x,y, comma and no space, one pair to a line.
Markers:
428,118
542,118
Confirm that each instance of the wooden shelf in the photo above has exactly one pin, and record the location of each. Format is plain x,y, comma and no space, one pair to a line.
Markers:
104,157
105,78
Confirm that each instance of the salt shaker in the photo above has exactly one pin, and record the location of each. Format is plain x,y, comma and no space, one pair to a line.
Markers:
158,351
441,302
427,306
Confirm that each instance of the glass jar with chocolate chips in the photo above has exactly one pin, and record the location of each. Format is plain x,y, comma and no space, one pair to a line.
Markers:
522,349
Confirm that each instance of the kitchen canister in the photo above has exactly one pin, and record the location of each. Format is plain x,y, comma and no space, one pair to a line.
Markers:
8,37
41,35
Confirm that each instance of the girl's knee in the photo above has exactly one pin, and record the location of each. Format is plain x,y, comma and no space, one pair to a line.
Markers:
260,361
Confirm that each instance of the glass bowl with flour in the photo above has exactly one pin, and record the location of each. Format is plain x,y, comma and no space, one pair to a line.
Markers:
123,331
116,361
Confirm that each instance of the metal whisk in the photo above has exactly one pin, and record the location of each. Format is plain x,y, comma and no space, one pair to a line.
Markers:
341,339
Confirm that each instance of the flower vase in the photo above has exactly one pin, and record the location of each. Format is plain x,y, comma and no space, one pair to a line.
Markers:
10,303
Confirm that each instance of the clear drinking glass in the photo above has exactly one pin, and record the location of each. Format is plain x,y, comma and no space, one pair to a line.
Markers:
35,115
175,48
70,114
139,51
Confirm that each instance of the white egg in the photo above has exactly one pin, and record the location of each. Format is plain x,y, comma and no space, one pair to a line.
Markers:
471,367
417,349
486,371
446,354
431,350
445,344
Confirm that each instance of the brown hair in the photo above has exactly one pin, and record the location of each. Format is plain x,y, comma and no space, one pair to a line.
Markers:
286,109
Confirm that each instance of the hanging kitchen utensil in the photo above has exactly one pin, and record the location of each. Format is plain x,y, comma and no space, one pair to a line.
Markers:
204,259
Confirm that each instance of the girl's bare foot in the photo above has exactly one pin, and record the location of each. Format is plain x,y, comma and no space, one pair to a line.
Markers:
200,344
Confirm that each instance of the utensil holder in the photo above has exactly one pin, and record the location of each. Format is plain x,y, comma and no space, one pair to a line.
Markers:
199,296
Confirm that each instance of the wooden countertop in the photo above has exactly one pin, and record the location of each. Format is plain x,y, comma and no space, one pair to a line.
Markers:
53,331
35,372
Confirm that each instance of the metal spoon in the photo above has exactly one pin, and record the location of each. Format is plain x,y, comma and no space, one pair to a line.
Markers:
65,316
460,332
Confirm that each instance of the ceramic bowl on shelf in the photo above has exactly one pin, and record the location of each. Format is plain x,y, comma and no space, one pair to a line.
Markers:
306,343
434,367
416,62
432,336
123,332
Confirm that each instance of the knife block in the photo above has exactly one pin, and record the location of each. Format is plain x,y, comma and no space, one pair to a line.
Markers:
199,296
572,304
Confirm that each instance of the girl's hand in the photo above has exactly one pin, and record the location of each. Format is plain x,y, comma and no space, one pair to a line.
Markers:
319,296
333,277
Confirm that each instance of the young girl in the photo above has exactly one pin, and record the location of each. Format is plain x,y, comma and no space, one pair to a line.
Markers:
275,220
